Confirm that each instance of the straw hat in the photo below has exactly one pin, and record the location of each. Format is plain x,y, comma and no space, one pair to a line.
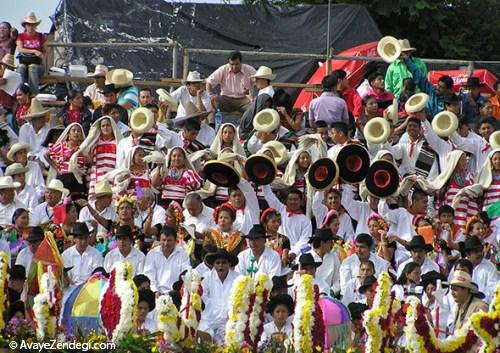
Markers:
120,77
6,182
57,185
193,76
30,18
36,110
389,49
462,279
142,120
405,45
192,112
267,120
16,148
265,73
279,151
103,188
9,61
100,71
445,123
416,103
15,168
166,98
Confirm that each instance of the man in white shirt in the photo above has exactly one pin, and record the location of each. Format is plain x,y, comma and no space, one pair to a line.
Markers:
418,250
144,204
44,212
308,266
197,214
323,210
81,258
25,256
349,268
244,199
217,286
294,223
35,131
351,293
193,91
125,252
94,91
25,193
265,259
328,271
103,204
358,210
18,153
8,201
206,134
166,262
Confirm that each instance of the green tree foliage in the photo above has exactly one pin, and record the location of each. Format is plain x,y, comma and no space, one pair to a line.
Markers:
454,29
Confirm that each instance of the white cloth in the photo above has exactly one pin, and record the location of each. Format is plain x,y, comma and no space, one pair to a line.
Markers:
202,222
349,268
297,227
27,135
329,270
34,177
206,135
427,266
182,96
269,262
246,218
83,264
7,211
479,148
134,257
163,272
107,213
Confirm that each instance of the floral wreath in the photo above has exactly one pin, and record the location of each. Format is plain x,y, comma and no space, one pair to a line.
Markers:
225,205
125,199
380,220
268,211
470,222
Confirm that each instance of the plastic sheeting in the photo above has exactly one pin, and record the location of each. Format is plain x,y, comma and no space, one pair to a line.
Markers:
300,29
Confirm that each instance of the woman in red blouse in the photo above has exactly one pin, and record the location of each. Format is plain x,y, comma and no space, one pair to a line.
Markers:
139,172
74,111
23,99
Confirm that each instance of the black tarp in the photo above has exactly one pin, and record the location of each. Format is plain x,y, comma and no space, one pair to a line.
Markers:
300,29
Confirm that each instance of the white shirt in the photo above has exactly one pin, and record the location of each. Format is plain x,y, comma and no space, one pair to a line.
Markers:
349,268
216,296
269,262
34,177
203,269
346,231
246,218
164,272
270,329
202,222
42,214
322,285
351,292
254,144
28,196
329,270
7,211
206,135
400,223
479,148
297,227
107,213
25,258
358,210
27,135
486,276
427,266
94,93
182,96
83,264
167,138
135,258
159,217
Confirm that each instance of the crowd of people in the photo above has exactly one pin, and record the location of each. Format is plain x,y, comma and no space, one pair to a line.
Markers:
123,173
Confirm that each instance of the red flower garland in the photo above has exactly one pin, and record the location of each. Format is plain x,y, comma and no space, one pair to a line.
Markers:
318,331
110,307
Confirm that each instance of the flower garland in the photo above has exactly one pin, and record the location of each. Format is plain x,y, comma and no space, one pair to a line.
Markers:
242,290
168,319
263,288
47,305
487,325
119,302
190,310
303,321
4,303
379,321
421,338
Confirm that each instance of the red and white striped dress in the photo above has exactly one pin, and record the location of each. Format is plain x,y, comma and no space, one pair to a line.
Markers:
61,153
103,162
492,194
221,193
176,187
467,207
141,179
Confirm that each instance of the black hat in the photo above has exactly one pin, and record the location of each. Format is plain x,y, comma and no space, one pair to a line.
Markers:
260,169
473,82
221,254
382,179
322,234
221,173
17,272
432,277
282,299
109,88
280,282
148,296
356,310
257,231
368,283
451,98
124,231
353,161
306,260
53,135
477,293
418,242
473,243
322,173
36,234
80,229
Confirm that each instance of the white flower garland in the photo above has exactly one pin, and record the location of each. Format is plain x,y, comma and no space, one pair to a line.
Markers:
241,291
127,292
191,303
4,270
43,302
167,319
263,288
303,321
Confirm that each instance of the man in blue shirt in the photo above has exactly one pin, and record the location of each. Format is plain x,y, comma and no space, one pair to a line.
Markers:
472,100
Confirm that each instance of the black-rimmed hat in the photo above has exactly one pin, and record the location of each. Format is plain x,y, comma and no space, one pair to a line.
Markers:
282,299
367,284
124,231
148,296
418,242
322,234
451,98
260,169
109,88
17,272
382,179
477,293
221,173
306,260
432,277
221,254
322,173
473,243
257,231
36,234
280,282
473,82
80,230
353,161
